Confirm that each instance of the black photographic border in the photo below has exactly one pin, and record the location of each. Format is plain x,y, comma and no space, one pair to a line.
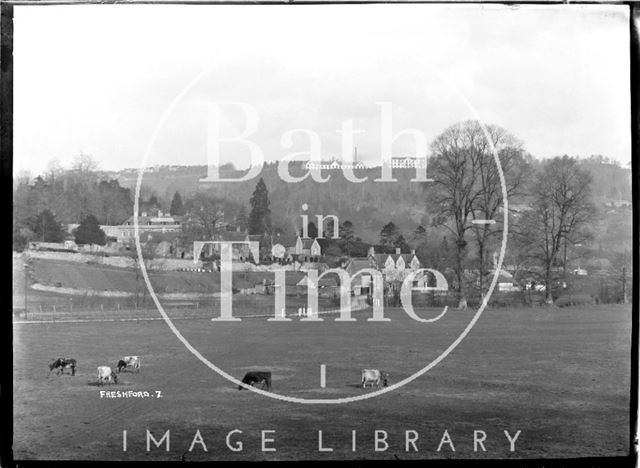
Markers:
6,171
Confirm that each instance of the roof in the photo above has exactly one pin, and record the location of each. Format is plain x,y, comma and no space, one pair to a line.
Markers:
307,243
324,282
163,219
382,258
144,220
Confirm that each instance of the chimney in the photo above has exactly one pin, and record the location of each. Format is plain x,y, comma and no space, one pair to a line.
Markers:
160,213
372,251
397,250
413,251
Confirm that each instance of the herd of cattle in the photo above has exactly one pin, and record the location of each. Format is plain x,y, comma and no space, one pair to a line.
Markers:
253,378
105,373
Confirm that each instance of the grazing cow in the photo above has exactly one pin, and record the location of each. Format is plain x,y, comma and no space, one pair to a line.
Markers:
374,376
255,377
61,364
129,361
105,374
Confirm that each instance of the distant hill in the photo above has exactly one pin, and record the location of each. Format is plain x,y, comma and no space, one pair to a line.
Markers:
367,205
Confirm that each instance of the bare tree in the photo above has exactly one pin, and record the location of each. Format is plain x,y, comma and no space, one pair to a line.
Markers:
454,166
204,215
54,170
516,170
561,209
83,174
84,164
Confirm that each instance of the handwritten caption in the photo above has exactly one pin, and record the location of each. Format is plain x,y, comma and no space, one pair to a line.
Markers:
130,394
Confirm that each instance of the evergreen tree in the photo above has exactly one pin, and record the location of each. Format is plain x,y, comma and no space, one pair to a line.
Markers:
401,244
242,221
46,228
177,208
260,216
389,237
89,232
347,237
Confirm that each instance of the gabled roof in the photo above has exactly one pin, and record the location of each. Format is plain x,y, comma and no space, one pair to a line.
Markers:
307,243
382,258
142,220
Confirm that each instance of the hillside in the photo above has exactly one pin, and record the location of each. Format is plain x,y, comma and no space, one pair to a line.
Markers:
369,205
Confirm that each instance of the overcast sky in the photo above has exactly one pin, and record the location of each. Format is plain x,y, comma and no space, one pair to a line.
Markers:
97,78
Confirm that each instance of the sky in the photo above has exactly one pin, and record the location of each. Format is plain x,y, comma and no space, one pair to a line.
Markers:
98,79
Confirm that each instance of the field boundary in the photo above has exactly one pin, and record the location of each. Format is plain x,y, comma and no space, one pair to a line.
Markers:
354,308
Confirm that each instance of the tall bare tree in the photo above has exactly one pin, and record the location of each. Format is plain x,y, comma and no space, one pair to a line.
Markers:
516,169
560,209
467,186
454,167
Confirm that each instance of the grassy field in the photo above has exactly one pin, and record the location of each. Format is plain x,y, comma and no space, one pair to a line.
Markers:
104,278
560,376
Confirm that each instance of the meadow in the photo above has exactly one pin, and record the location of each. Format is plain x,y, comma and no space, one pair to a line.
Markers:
560,376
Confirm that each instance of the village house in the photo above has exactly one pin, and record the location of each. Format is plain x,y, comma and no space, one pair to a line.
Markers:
361,285
296,248
125,232
240,251
394,264
394,268
327,286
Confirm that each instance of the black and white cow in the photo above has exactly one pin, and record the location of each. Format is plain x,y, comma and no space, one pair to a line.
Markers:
129,361
60,364
256,377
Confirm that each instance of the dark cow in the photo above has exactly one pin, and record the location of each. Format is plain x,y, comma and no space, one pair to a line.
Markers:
61,364
129,361
256,377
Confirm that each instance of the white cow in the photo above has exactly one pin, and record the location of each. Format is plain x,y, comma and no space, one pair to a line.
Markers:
374,376
129,361
105,374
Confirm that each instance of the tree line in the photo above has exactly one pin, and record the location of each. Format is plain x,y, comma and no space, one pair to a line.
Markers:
459,221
